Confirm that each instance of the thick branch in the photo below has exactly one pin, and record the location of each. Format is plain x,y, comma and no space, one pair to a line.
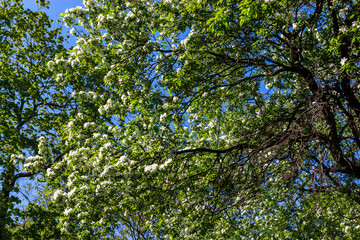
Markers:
333,140
29,174
208,150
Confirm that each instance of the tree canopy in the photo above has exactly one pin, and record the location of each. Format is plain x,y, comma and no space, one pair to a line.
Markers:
207,120
31,104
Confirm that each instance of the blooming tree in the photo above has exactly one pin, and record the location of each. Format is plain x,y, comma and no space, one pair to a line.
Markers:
31,104
211,119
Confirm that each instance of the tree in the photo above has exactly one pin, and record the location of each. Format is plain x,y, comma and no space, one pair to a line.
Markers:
32,104
214,119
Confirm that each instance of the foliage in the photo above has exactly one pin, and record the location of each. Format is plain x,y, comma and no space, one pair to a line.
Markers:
211,119
31,103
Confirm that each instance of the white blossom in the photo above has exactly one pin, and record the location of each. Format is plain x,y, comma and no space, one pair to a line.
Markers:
166,163
106,170
57,194
72,31
50,172
84,187
343,29
67,211
89,124
162,117
343,61
150,168
71,193
101,18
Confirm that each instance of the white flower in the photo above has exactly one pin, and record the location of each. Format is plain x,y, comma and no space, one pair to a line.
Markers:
150,168
71,193
80,8
101,110
106,170
162,116
123,98
72,31
343,61
92,94
84,187
101,18
69,10
50,172
107,145
122,160
343,29
50,64
89,124
27,165
57,194
129,15
67,211
166,163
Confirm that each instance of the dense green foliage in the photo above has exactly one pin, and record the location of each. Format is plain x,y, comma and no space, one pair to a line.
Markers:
30,103
207,120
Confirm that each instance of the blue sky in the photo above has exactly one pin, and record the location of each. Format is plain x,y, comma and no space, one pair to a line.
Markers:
56,6
55,9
